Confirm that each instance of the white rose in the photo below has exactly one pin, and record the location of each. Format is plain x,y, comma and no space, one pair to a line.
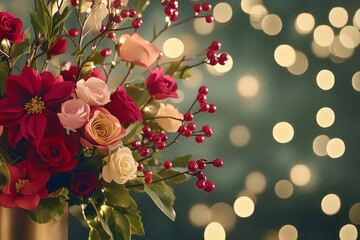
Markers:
169,118
93,91
120,166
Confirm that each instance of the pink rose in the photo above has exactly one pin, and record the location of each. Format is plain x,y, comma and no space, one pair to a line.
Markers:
137,50
161,86
103,131
11,28
71,74
74,114
58,47
94,91
169,118
123,107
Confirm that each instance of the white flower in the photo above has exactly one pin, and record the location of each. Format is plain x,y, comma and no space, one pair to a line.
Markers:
169,118
120,166
93,91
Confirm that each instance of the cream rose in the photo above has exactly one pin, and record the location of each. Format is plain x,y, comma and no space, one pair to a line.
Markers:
93,91
74,114
169,118
120,166
103,131
137,50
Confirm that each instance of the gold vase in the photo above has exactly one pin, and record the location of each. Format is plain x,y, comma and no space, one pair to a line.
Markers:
16,225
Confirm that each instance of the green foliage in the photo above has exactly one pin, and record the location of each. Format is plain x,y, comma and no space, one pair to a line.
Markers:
140,5
118,223
19,49
4,171
181,161
172,176
52,207
4,72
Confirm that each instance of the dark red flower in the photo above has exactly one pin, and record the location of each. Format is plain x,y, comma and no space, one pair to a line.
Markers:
32,101
72,74
84,183
11,28
55,153
58,47
25,188
123,107
161,86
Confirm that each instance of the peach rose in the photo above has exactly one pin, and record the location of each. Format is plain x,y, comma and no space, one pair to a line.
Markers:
120,166
169,118
103,131
137,50
74,114
93,91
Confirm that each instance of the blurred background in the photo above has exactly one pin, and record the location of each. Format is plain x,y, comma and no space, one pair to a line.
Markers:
287,125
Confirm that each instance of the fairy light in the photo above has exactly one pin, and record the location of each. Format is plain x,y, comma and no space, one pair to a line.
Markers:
304,23
283,132
288,232
300,175
330,204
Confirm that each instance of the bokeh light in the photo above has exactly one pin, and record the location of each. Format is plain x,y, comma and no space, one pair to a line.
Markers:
199,215
300,65
255,182
214,231
330,204
247,5
354,213
244,207
283,132
257,13
325,79
248,86
325,117
304,23
285,55
222,12
348,232
173,48
338,17
355,80
224,214
284,189
300,175
288,232
319,145
239,136
349,37
271,24
323,35
202,27
335,148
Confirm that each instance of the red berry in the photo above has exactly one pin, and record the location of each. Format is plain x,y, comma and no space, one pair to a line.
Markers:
117,4
148,173
173,4
213,61
106,52
201,163
188,116
136,144
201,98
199,139
210,54
148,180
210,186
140,166
144,151
169,11
197,8
223,58
188,133
191,126
203,90
168,164
175,16
218,163
117,19
132,13
102,28
136,23
207,130
215,45
204,107
75,2
192,166
146,129
212,108
200,184
111,35
160,145
209,18
206,6
200,175
156,138
124,13
73,32
164,137
181,129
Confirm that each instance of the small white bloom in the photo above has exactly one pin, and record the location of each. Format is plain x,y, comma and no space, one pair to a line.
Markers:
120,166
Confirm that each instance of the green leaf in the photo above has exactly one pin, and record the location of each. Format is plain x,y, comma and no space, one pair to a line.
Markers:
174,66
58,21
96,57
51,207
139,93
19,49
181,161
132,132
4,171
137,226
140,5
38,23
172,176
118,195
86,70
97,231
4,73
118,223
163,197
101,221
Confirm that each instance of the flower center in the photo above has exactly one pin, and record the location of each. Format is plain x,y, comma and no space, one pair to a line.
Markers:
35,105
20,184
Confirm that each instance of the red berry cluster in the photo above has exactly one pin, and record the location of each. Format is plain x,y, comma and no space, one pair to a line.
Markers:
213,57
130,13
189,129
171,9
197,167
206,6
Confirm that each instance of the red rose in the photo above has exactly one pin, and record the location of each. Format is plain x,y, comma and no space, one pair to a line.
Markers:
26,187
84,183
55,153
161,86
11,28
123,107
58,47
72,74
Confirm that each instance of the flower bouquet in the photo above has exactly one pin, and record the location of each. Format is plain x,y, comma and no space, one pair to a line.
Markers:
69,138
